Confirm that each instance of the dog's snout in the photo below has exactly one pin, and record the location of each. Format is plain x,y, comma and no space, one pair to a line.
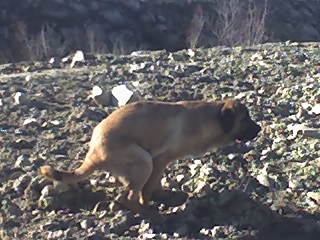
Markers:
250,131
257,127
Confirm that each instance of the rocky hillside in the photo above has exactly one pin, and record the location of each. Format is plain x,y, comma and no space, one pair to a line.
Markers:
37,30
263,189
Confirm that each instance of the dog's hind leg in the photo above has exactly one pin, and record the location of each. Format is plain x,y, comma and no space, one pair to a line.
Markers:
153,185
134,165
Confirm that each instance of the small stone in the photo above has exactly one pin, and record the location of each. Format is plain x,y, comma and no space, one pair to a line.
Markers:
100,96
144,227
20,184
204,231
55,61
121,96
217,231
51,226
59,234
294,184
316,109
147,236
263,180
22,162
56,122
86,224
30,122
193,169
179,177
200,185
47,190
105,229
314,196
28,78
20,98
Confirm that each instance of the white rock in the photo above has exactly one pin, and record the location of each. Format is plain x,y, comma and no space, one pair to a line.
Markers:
191,52
30,122
204,231
55,61
147,236
56,234
231,156
316,109
200,186
20,98
135,83
294,184
28,78
88,223
144,226
314,196
100,96
264,180
122,96
306,106
78,57
197,161
216,230
179,177
193,169
56,122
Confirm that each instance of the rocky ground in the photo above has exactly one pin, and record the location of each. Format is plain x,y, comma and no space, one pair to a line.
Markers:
264,189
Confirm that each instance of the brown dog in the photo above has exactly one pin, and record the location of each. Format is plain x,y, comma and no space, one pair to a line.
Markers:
136,143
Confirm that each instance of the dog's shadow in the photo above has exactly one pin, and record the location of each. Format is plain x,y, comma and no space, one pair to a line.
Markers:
223,212
228,212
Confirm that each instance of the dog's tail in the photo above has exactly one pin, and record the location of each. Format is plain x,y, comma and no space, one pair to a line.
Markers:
68,177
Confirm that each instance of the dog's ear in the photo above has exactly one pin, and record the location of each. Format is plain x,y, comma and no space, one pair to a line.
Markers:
227,116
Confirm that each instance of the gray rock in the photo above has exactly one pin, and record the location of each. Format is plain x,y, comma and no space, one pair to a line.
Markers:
51,226
20,184
11,209
22,162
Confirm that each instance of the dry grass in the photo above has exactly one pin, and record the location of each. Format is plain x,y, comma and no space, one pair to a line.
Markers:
34,47
46,43
236,23
240,22
196,27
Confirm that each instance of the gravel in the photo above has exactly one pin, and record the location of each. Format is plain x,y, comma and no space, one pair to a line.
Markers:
264,189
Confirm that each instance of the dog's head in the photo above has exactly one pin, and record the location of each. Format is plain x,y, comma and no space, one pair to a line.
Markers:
236,121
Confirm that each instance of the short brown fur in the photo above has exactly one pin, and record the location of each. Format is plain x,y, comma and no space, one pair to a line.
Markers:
137,142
